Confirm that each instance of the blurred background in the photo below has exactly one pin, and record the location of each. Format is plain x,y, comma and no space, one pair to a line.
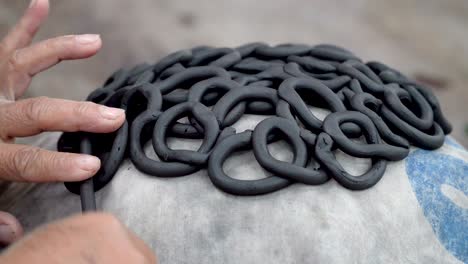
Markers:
425,39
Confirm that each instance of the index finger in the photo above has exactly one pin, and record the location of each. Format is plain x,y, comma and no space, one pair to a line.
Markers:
31,164
32,116
24,31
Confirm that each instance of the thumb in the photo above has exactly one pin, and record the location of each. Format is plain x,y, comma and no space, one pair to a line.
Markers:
10,229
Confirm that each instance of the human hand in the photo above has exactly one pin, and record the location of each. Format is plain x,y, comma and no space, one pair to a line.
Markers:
91,238
20,61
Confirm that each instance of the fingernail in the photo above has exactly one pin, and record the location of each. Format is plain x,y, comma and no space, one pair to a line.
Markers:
111,113
89,163
33,2
87,39
7,234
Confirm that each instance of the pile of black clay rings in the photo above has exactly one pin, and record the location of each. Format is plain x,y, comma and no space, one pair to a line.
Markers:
215,87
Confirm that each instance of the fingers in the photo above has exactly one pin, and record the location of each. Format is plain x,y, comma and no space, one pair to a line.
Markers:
23,33
10,229
32,164
45,54
25,63
33,116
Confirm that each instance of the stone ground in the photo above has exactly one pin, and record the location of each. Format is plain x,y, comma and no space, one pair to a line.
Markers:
426,39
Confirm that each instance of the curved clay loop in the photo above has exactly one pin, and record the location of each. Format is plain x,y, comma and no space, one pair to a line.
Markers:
181,96
327,77
324,154
99,95
130,89
341,95
189,131
144,77
369,72
87,196
84,146
332,62
245,79
360,102
112,159
135,72
288,92
236,74
379,67
199,90
253,65
116,100
333,84
394,103
203,116
310,141
282,51
189,77
197,49
297,171
345,94
150,92
235,186
295,70
439,117
364,69
259,107
355,86
390,76
145,164
70,142
433,102
174,69
432,138
373,148
197,94
264,83
218,85
332,54
308,137
182,56
176,97
227,60
110,154
249,48
283,110
139,68
204,57
155,103
236,96
117,80
368,83
332,47
336,83
275,72
311,64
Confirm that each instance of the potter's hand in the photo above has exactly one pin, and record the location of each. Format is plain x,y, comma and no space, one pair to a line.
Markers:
19,62
92,238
